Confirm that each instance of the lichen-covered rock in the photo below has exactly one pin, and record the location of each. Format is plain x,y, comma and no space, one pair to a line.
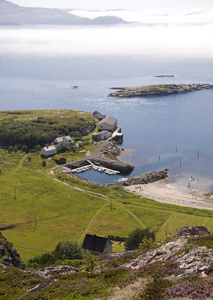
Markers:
191,259
8,255
51,271
193,230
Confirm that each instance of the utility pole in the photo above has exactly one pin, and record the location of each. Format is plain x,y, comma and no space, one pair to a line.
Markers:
15,194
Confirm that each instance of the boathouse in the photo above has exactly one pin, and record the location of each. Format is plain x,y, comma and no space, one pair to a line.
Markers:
107,124
96,244
48,151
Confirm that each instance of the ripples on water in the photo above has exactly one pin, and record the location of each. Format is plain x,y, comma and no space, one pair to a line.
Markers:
152,127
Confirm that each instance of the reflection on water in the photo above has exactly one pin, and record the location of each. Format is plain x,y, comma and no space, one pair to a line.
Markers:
164,132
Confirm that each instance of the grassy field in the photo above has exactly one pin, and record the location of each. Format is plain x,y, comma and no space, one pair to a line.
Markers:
43,209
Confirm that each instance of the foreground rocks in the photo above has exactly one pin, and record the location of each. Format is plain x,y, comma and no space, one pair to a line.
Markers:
191,259
8,255
157,90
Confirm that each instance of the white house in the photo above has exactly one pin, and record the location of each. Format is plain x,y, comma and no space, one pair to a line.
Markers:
63,141
108,124
48,151
101,135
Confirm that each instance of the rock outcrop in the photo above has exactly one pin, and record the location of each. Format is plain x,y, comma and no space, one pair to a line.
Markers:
193,230
157,90
8,255
110,150
51,271
191,259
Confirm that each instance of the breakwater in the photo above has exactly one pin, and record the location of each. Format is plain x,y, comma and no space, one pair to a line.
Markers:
102,165
142,179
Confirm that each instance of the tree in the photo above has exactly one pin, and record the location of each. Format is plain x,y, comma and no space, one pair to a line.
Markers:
68,250
137,236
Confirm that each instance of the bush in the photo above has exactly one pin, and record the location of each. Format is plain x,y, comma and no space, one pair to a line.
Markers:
68,250
43,260
137,236
63,250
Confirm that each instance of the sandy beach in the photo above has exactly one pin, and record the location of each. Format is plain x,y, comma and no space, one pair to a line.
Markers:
163,191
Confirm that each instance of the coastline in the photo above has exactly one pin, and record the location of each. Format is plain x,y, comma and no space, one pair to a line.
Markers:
163,191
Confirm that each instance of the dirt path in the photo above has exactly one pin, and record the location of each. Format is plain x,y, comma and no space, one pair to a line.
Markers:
98,212
20,164
101,209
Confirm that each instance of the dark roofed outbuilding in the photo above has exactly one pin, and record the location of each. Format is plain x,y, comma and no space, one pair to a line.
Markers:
97,244
98,115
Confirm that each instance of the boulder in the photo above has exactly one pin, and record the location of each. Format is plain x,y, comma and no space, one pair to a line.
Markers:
193,230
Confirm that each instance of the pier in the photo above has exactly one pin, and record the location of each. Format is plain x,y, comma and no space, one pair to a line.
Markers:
91,166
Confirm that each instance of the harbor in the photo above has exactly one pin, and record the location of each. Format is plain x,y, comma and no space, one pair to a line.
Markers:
89,167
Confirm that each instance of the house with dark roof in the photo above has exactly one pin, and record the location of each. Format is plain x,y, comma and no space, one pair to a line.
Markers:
98,115
96,244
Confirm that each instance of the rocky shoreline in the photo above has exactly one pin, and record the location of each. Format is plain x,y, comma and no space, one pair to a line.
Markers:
157,90
142,179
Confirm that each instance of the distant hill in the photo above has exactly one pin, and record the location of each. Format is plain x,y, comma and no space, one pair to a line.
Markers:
12,14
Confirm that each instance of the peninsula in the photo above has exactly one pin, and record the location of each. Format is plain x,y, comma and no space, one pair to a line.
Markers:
157,90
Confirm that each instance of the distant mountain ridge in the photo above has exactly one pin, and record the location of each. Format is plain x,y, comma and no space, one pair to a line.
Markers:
13,14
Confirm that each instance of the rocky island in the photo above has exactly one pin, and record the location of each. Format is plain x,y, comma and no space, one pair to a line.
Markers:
157,90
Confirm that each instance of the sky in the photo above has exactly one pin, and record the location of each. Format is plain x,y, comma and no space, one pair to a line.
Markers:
119,4
168,27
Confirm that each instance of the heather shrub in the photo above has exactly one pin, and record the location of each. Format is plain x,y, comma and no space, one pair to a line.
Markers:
156,289
157,270
194,287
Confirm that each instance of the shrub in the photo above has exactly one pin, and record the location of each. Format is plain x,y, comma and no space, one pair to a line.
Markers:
63,250
156,289
68,250
194,287
43,260
137,236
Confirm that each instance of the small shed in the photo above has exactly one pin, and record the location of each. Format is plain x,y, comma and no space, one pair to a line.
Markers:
108,124
48,150
98,115
96,244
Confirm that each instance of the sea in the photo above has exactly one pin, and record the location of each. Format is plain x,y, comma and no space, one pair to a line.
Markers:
171,132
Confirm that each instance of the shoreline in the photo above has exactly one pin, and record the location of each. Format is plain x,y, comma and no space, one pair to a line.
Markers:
163,191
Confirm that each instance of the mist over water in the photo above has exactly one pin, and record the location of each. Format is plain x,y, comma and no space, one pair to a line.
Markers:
136,39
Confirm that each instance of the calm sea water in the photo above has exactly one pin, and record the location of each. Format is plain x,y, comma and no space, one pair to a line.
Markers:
163,133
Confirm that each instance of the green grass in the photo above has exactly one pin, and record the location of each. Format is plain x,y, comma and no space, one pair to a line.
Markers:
44,211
